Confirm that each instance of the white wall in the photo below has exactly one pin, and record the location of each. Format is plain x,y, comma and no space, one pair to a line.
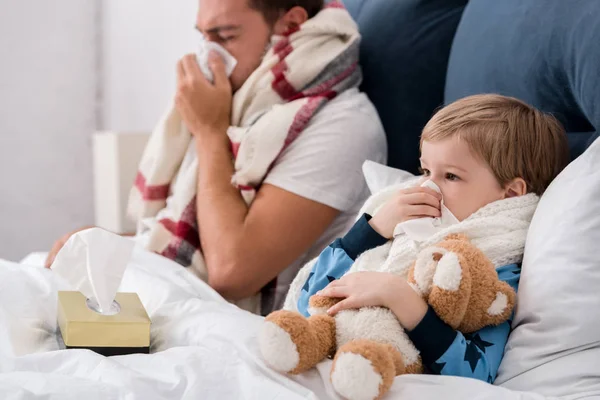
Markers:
68,68
47,116
142,41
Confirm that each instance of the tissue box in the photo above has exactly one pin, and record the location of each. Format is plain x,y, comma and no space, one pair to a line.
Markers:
124,333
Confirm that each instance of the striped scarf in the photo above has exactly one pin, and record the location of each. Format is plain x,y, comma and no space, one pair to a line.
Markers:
305,68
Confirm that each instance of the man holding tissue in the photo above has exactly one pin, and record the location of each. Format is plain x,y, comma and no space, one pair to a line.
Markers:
246,178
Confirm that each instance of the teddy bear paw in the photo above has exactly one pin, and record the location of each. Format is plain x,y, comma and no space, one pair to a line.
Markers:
276,344
355,378
365,370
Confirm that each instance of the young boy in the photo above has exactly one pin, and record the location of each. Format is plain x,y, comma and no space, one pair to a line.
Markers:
478,150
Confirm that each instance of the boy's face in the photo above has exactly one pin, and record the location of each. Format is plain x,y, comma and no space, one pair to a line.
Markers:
466,182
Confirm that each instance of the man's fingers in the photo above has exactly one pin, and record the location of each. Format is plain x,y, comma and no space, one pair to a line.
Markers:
49,260
180,71
192,70
53,252
217,67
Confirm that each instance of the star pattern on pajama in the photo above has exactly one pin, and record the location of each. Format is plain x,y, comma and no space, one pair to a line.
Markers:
471,354
306,286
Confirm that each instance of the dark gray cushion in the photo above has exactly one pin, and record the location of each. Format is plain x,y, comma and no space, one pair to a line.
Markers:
404,55
546,53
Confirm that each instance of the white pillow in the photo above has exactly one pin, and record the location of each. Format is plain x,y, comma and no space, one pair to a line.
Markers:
379,176
555,347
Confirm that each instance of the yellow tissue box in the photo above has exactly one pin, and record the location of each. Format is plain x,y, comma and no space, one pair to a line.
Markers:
126,332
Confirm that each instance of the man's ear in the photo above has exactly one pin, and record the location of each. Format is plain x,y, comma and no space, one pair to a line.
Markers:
291,20
514,188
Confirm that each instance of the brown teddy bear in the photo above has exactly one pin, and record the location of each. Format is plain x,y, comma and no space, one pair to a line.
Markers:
455,278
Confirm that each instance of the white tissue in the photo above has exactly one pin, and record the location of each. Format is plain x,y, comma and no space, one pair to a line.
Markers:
204,49
422,229
93,262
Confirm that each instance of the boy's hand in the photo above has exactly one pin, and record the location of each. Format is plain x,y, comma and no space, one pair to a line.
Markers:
362,289
413,203
378,289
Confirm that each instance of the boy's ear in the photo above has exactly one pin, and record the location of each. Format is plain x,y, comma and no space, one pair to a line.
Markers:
516,187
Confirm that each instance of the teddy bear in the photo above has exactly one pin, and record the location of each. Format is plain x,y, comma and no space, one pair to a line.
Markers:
368,345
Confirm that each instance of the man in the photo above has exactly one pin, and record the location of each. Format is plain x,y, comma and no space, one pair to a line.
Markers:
311,191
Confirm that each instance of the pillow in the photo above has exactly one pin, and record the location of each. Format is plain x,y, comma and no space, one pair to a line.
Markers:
543,52
404,57
379,176
554,349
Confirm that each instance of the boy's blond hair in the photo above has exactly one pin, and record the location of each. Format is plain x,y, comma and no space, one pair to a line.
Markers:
515,139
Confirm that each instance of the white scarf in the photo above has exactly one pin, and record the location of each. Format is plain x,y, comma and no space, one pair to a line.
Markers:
498,229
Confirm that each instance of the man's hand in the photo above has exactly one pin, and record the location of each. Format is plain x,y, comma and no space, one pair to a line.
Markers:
59,245
378,289
413,203
205,108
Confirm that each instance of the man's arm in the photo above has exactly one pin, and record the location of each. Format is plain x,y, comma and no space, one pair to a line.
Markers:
245,248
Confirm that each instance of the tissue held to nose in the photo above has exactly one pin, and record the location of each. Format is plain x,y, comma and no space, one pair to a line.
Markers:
422,229
205,47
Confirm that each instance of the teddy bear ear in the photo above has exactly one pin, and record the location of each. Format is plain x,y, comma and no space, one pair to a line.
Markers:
502,305
458,236
451,287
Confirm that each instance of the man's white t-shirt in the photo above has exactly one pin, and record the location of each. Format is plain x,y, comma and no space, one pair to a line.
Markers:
324,164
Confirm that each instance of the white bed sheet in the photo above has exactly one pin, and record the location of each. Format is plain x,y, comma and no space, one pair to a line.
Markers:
203,347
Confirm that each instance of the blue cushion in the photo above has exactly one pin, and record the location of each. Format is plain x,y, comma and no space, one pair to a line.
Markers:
546,53
404,55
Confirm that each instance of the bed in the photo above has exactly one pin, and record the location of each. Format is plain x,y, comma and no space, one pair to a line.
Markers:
202,347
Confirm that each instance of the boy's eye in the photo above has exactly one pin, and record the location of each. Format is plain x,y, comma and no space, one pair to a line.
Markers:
451,177
424,171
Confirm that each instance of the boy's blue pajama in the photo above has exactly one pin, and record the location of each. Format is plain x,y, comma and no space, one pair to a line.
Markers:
444,351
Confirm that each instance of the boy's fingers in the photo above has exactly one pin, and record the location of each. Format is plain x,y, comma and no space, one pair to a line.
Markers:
424,210
422,199
346,304
335,291
333,283
430,191
420,189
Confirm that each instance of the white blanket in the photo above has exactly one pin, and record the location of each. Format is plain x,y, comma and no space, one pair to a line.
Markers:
203,347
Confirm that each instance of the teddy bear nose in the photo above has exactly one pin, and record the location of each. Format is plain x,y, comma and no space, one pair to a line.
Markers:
437,256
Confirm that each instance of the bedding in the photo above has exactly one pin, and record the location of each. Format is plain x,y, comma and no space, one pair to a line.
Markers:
203,347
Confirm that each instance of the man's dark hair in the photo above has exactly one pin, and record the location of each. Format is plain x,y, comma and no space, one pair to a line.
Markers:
273,9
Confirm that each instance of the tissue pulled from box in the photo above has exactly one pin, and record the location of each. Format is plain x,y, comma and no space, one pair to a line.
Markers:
93,262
